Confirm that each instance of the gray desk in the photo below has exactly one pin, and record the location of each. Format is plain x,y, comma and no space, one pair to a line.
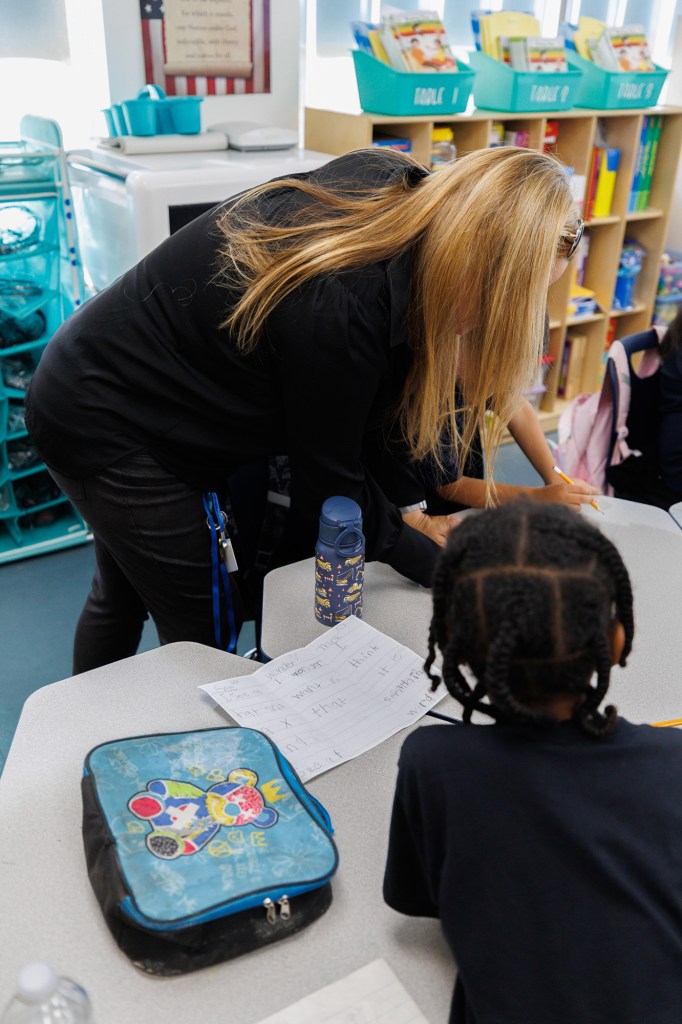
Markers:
647,690
676,512
50,912
390,602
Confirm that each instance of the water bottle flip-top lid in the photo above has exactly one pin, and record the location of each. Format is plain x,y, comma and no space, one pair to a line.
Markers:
341,517
36,982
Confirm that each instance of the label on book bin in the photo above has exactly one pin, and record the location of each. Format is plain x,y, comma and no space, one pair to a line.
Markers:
635,90
549,93
429,96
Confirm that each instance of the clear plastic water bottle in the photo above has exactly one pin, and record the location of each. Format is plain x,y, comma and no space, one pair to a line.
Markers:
44,997
339,561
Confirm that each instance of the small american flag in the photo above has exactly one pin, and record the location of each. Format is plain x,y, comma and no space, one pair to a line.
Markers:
154,47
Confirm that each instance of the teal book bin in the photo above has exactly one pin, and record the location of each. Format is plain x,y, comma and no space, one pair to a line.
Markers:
500,87
384,90
615,90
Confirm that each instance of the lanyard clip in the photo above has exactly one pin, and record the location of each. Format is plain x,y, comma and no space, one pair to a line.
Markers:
229,557
216,520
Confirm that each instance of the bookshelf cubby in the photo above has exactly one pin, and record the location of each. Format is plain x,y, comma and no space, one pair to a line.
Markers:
338,132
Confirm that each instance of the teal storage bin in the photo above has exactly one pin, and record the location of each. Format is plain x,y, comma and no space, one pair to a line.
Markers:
185,114
384,90
140,116
112,130
120,125
615,90
500,87
153,113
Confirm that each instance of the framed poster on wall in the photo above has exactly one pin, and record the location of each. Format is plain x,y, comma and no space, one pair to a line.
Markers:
207,47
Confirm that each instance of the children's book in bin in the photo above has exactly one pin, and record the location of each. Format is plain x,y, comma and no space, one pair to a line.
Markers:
202,845
423,42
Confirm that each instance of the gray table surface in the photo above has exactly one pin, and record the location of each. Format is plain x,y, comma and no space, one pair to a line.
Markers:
49,910
649,688
676,512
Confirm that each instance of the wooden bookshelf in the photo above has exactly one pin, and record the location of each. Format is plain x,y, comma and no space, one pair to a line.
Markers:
339,132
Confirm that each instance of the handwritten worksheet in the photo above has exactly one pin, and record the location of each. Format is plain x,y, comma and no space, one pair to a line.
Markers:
372,994
326,703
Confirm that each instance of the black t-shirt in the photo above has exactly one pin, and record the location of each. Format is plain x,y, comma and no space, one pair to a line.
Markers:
554,862
145,364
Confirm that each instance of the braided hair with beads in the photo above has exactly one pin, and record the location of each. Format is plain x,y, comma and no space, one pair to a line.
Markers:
526,595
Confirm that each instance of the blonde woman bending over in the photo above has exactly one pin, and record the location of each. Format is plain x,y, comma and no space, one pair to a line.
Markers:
328,317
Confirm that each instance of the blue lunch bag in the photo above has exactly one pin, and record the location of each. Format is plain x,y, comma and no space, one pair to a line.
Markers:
202,845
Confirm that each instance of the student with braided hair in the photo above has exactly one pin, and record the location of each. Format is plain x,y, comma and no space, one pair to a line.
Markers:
549,843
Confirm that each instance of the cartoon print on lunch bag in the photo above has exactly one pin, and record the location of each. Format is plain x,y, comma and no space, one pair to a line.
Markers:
184,818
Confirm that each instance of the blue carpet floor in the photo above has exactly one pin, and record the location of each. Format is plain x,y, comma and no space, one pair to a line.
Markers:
41,599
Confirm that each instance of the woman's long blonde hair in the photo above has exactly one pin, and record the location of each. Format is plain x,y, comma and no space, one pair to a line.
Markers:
485,233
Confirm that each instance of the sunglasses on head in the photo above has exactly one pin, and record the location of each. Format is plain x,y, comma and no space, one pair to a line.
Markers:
575,241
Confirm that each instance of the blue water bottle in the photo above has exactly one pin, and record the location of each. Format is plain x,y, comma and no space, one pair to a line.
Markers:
339,561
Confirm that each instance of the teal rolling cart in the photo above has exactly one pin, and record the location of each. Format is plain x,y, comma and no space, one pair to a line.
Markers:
41,283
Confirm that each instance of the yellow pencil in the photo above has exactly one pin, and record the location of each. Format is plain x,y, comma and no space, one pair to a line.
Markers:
672,721
567,480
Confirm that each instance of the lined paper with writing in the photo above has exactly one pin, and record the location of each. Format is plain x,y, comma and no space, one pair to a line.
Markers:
324,704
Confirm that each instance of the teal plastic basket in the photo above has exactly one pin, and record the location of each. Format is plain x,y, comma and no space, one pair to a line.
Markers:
154,113
615,90
500,87
384,90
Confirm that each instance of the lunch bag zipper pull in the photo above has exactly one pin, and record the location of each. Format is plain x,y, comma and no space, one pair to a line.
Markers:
284,908
270,910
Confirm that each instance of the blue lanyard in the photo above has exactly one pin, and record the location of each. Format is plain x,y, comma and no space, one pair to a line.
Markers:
221,546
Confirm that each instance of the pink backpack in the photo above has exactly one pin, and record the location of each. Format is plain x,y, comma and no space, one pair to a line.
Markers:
593,429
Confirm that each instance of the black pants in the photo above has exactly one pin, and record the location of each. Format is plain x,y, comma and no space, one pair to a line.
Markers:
153,552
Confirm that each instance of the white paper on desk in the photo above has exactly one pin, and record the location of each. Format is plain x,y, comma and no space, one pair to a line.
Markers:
324,704
371,994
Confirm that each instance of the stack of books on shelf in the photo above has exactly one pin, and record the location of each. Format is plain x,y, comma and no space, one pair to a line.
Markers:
601,180
622,48
410,41
391,142
581,301
514,38
501,135
505,135
645,162
572,363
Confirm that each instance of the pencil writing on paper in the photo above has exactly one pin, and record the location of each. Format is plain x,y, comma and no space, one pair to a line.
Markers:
567,480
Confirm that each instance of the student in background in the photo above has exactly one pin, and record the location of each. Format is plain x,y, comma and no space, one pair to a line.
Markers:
318,317
654,474
547,843
446,490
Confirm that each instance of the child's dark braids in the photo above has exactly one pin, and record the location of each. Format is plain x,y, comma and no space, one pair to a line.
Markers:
525,596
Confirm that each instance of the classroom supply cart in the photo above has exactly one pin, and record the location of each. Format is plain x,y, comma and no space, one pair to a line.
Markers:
41,283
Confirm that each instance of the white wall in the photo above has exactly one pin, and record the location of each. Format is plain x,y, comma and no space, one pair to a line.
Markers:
71,93
280,106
